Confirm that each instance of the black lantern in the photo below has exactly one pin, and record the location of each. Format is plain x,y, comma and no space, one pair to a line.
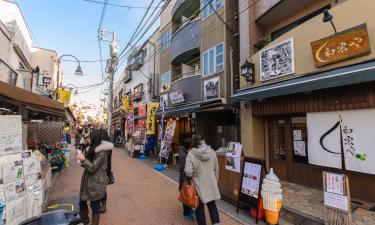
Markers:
248,71
329,18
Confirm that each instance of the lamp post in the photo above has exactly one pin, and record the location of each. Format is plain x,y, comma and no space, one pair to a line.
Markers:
78,70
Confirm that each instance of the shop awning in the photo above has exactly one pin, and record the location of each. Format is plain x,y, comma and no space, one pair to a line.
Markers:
354,74
179,110
34,101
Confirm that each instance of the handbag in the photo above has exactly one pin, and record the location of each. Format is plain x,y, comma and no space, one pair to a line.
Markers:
188,194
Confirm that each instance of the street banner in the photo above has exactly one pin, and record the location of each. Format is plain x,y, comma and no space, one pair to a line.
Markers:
165,146
152,107
342,139
142,112
125,104
64,96
161,137
130,120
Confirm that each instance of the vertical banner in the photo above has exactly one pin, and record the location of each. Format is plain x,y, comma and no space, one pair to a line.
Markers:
152,107
64,96
125,104
162,122
130,120
141,113
166,143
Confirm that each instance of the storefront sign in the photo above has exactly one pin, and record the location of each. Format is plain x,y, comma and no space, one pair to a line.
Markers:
125,104
141,113
211,88
342,139
277,61
176,97
233,157
345,45
150,126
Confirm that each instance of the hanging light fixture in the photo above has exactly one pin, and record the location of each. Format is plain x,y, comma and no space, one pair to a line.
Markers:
329,18
248,71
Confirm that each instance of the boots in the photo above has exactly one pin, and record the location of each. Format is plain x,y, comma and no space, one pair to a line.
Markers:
84,215
111,180
95,219
103,207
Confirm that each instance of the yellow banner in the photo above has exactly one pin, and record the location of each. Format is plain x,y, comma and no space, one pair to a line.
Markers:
126,104
64,96
150,124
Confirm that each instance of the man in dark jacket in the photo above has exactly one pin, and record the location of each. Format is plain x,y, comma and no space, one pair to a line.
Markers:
188,213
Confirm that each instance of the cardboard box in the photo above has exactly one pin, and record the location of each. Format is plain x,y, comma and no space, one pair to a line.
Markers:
15,211
12,168
31,164
14,190
33,182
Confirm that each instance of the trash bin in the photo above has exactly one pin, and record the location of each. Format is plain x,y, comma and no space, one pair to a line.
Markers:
58,217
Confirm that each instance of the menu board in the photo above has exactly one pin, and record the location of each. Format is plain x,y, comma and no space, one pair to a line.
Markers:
251,179
233,157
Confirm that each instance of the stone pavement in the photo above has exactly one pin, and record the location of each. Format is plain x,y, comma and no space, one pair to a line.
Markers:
140,196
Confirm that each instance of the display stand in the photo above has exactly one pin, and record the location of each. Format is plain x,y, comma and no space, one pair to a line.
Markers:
337,199
249,194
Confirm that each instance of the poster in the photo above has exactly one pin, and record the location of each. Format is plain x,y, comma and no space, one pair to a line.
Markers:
14,190
233,157
297,135
31,165
277,61
336,201
335,183
299,148
357,129
211,88
130,121
176,97
141,113
165,146
251,179
10,125
150,124
11,143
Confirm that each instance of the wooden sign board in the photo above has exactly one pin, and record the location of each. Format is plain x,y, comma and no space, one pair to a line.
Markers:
251,182
342,46
336,199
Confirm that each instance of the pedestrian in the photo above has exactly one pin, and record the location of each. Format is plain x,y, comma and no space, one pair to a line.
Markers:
78,137
187,211
94,179
202,166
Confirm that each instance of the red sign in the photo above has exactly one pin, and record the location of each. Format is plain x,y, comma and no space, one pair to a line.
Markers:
142,112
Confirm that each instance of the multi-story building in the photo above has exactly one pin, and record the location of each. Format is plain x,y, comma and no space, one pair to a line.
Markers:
198,69
307,91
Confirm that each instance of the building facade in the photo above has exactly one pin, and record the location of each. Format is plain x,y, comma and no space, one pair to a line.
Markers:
311,89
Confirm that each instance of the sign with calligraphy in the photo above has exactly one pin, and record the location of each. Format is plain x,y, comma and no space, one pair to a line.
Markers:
152,107
344,45
142,112
176,97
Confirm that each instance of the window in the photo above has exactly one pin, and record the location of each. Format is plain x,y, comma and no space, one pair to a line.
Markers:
207,8
165,81
213,60
165,40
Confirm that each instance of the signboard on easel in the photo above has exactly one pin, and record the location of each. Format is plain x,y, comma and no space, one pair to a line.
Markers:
252,172
336,199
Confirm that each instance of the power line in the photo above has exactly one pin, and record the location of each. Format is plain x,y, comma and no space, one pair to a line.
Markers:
84,61
118,5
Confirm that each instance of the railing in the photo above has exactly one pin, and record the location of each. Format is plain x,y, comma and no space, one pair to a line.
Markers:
186,75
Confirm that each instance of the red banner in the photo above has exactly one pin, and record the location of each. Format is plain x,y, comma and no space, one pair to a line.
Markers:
142,112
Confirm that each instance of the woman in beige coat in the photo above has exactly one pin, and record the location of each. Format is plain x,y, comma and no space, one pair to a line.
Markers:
202,166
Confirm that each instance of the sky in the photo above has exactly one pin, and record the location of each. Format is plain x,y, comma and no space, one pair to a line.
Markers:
70,27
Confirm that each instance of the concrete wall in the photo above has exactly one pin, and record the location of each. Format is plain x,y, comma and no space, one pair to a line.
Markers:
47,61
166,15
5,43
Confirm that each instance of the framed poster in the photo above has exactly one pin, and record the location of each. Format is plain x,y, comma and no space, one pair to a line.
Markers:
277,61
211,88
176,97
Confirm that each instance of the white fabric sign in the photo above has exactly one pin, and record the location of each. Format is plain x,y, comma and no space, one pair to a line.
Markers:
357,129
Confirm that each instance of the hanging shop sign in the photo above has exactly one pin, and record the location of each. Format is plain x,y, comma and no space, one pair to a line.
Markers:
142,111
342,139
164,100
336,198
150,124
249,192
211,88
176,97
165,146
233,157
342,46
277,61
126,104
64,96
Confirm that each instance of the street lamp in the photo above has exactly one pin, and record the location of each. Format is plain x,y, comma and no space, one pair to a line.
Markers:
328,18
78,70
248,71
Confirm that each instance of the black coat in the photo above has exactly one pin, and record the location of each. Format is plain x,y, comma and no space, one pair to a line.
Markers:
182,161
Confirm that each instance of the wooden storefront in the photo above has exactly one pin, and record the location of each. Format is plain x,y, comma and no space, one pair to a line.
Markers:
286,113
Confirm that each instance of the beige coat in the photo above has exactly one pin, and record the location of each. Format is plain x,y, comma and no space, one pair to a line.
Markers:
203,167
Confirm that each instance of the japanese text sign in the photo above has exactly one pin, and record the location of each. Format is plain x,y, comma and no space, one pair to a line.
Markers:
344,45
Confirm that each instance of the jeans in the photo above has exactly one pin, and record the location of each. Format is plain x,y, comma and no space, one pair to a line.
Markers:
187,210
95,206
212,209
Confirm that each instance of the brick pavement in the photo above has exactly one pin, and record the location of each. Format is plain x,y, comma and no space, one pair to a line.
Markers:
140,196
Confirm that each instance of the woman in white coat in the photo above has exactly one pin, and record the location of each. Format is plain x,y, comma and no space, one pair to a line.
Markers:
202,166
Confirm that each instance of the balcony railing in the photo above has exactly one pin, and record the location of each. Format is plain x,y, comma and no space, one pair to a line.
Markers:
189,84
186,42
184,8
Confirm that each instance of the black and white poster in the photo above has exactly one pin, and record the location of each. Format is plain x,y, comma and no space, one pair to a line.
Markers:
277,61
211,88
176,97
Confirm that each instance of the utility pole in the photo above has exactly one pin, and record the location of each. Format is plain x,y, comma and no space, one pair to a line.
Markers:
110,70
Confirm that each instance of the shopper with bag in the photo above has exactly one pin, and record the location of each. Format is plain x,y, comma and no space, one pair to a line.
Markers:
94,179
187,211
202,166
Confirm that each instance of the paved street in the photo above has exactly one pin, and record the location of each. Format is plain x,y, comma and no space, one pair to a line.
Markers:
139,196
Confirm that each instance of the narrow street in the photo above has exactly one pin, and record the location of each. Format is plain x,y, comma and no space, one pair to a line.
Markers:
139,195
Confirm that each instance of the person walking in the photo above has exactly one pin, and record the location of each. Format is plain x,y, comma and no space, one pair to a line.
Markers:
94,179
203,168
187,211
